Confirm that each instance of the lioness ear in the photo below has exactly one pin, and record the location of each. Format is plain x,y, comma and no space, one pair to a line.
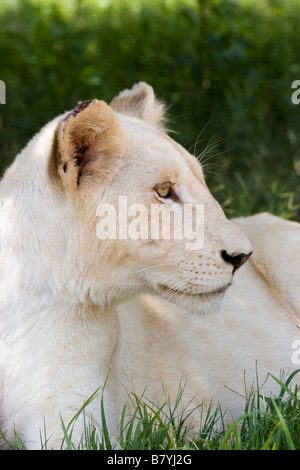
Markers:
140,102
88,145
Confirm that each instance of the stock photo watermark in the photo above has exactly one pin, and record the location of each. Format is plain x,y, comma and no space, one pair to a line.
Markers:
2,92
161,222
296,353
296,94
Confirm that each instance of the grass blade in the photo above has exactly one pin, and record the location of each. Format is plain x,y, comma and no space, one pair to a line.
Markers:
284,426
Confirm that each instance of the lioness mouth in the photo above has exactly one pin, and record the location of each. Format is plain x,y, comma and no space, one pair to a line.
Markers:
191,294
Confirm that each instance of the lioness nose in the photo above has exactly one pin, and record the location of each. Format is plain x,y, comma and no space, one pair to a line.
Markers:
236,260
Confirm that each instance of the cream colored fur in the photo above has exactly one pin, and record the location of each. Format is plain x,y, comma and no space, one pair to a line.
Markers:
148,314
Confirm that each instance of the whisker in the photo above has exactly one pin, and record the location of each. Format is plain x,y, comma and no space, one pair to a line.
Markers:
210,172
174,286
209,149
194,146
205,158
156,266
172,289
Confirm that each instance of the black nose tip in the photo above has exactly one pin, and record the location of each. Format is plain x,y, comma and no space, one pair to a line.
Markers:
236,261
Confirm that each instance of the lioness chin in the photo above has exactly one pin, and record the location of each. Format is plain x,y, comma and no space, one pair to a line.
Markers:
82,305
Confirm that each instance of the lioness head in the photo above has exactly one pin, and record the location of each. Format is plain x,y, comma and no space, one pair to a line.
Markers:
106,168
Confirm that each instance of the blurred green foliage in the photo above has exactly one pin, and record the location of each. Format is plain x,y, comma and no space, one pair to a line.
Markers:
223,67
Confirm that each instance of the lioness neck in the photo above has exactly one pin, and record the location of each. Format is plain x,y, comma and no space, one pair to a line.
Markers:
53,342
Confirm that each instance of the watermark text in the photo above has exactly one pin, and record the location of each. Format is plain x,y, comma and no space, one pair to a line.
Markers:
2,92
296,94
296,353
160,222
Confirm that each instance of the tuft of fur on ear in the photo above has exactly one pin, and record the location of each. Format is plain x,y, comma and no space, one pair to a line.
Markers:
140,102
88,145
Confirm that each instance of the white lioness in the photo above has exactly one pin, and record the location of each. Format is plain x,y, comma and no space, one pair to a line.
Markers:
76,310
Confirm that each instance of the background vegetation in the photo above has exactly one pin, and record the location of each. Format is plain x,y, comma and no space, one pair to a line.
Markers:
223,67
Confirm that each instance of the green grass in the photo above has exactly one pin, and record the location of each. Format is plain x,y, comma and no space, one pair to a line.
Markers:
268,423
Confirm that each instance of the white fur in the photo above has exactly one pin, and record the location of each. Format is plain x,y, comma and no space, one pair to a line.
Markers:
74,308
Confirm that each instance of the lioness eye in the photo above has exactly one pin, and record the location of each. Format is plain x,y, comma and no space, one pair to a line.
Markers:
164,189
